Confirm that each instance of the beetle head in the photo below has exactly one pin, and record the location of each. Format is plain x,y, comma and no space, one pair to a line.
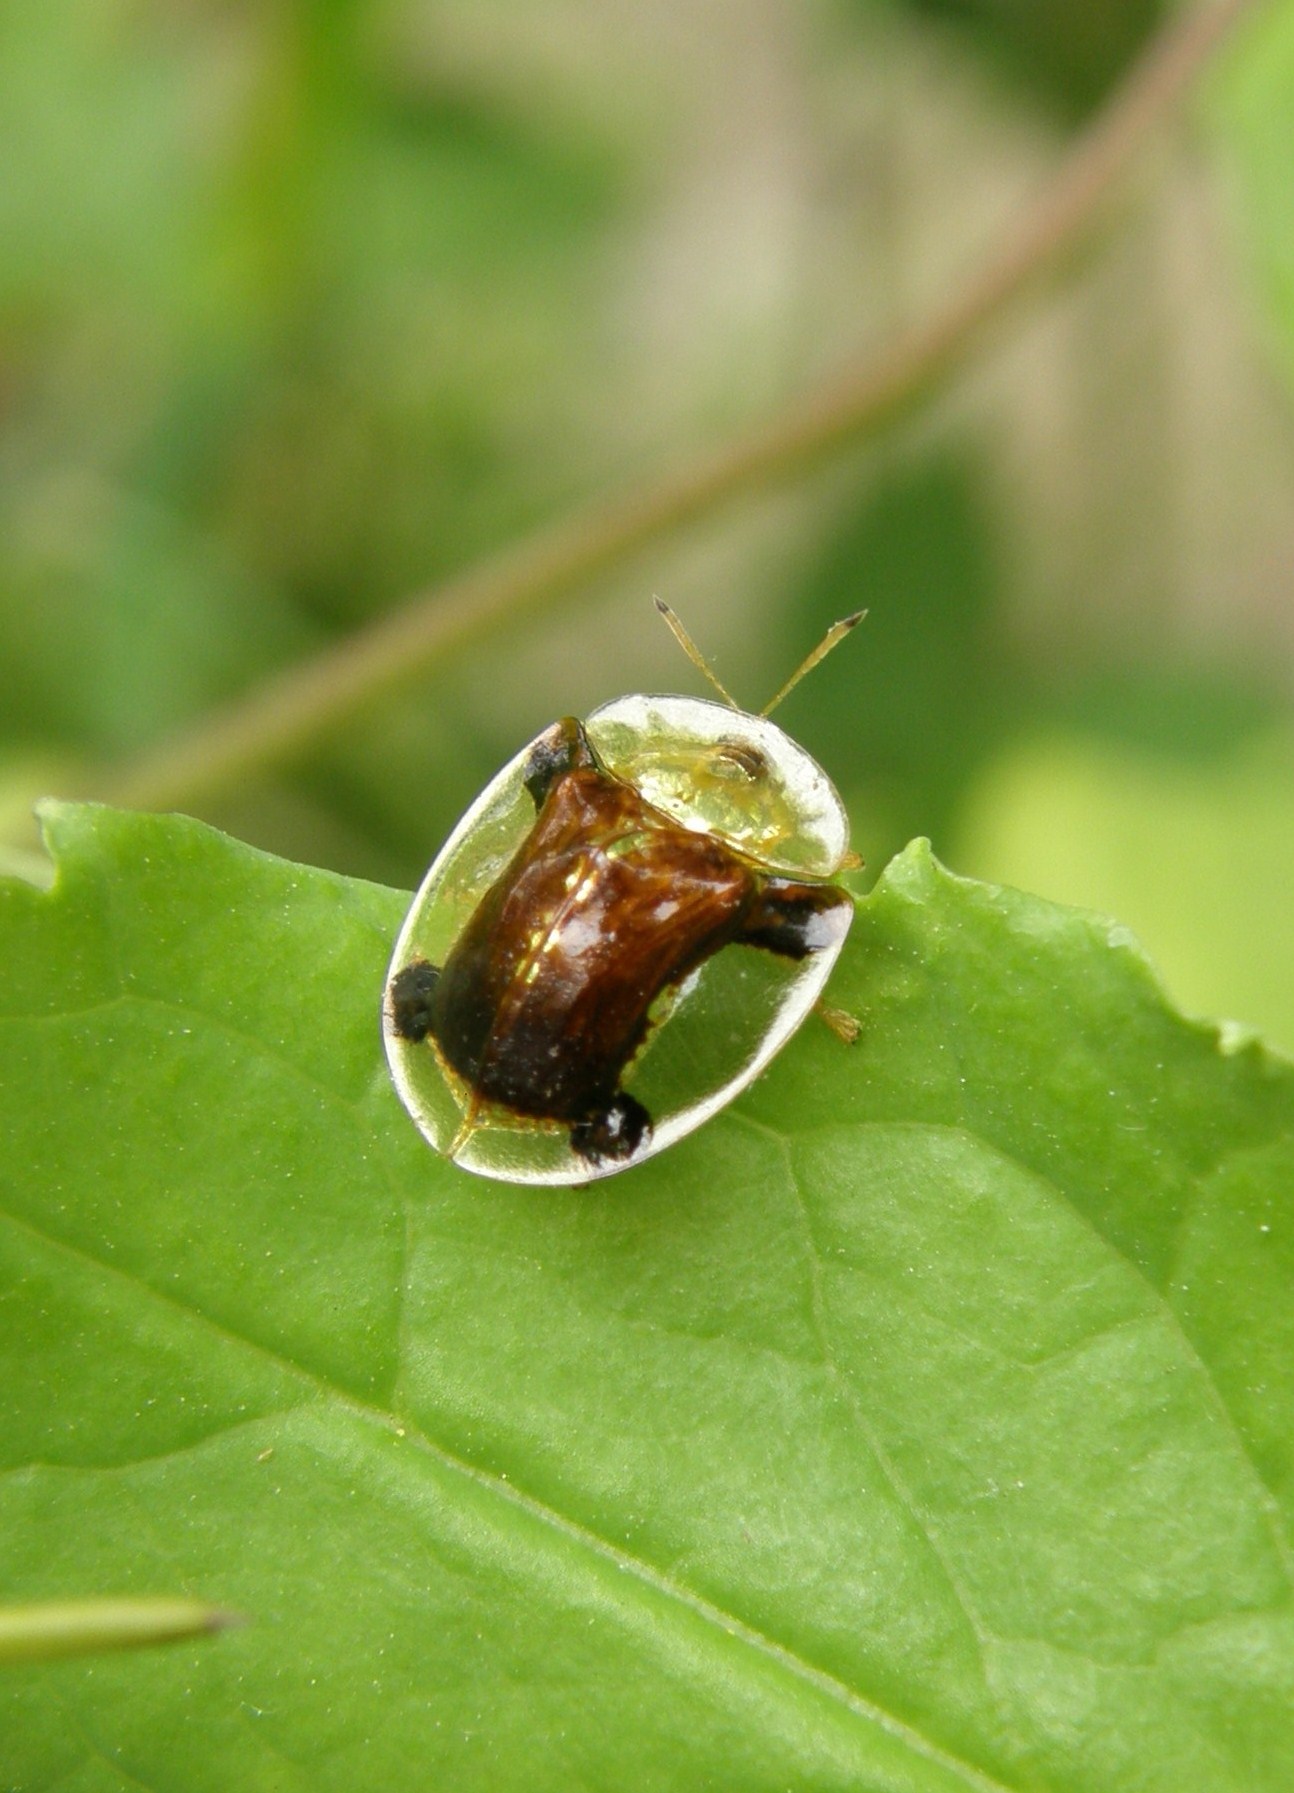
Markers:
723,772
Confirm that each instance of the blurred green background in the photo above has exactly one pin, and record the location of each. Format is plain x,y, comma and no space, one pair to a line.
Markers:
304,307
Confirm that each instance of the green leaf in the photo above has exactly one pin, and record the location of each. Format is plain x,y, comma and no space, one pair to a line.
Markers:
923,1422
1198,859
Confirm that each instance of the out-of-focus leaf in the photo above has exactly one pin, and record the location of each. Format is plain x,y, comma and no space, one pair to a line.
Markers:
1066,52
118,623
282,317
903,714
1254,115
1200,861
923,1422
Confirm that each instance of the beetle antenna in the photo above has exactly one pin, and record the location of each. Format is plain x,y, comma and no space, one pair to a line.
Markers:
693,652
834,635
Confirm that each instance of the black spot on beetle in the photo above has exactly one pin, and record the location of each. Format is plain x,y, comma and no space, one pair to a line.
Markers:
413,990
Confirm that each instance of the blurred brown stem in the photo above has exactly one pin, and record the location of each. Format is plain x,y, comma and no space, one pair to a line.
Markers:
289,712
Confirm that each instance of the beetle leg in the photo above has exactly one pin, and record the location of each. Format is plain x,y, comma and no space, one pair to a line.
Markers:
845,1026
558,750
412,992
796,919
615,1131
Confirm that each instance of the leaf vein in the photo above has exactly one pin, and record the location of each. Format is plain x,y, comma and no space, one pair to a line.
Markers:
510,1493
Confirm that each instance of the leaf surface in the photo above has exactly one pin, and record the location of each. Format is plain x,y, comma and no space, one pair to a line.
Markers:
923,1422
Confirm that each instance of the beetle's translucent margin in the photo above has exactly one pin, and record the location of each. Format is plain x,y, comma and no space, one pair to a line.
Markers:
665,1133
648,716
813,973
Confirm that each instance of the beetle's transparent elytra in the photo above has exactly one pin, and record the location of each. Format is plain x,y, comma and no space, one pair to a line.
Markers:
627,925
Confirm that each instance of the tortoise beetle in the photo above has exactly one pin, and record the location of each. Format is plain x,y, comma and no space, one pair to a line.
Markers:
630,921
